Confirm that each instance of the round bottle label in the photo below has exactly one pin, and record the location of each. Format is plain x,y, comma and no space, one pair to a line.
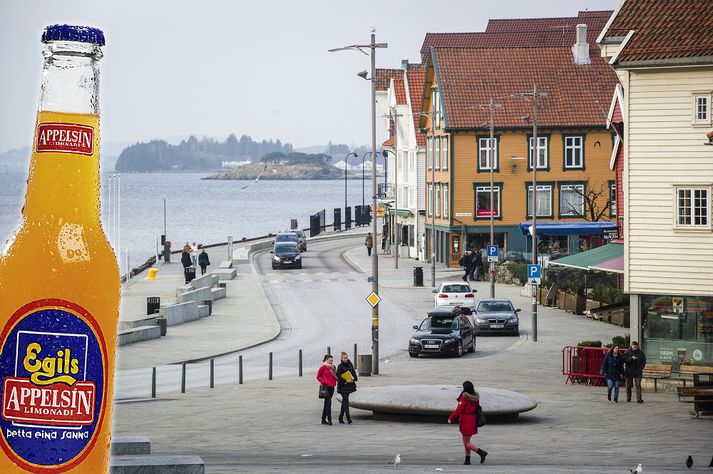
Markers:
53,369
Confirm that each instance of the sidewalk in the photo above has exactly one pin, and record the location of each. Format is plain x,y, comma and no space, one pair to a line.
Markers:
242,319
270,426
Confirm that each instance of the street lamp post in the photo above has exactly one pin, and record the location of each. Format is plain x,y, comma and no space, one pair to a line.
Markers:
433,193
372,46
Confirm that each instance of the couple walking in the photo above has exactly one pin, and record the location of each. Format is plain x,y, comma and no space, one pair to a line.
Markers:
630,365
472,263
344,378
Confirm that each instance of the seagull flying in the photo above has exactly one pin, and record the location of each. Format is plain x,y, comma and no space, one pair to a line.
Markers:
256,179
689,462
396,461
637,470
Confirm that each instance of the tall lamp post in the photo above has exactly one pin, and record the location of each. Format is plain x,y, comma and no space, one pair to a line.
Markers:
372,46
346,164
433,194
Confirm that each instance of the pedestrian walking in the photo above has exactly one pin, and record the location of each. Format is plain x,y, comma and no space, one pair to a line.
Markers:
613,369
634,363
327,378
346,384
467,414
194,254
369,243
186,262
464,263
203,260
476,265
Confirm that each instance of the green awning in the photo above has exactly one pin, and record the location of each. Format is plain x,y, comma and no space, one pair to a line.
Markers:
608,258
401,212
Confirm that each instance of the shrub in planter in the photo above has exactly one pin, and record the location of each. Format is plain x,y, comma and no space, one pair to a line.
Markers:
590,344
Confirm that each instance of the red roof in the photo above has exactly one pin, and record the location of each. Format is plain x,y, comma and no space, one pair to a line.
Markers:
664,29
416,77
390,142
384,76
400,91
469,76
522,33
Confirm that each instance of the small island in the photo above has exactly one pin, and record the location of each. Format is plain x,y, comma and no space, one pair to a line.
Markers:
280,166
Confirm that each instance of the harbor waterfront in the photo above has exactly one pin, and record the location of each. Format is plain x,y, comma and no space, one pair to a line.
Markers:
201,211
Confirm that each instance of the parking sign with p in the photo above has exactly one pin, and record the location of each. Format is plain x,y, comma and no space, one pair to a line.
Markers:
534,274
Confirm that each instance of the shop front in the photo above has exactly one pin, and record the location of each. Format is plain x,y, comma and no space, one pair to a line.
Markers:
677,329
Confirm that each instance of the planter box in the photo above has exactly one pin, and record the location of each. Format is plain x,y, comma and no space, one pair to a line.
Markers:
561,297
620,317
575,304
593,304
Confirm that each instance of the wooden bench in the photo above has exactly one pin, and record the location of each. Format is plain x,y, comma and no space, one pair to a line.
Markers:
656,372
686,372
696,395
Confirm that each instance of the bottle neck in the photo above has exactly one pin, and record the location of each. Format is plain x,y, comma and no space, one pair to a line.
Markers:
64,173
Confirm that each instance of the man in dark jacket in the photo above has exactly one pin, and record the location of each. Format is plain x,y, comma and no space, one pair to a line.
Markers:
203,260
346,384
634,363
465,263
477,263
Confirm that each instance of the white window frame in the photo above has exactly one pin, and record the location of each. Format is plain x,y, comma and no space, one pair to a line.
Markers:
540,189
483,145
430,199
570,144
444,152
570,187
445,201
412,160
436,107
438,153
496,198
401,160
429,152
542,144
705,209
613,211
411,197
438,200
696,118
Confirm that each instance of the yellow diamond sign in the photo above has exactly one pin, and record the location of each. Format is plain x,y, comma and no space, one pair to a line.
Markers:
373,299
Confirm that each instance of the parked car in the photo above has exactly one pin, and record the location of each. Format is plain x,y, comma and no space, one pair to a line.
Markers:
496,316
455,293
286,254
446,330
287,237
301,238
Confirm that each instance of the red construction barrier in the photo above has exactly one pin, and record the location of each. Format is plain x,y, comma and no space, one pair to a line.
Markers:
582,364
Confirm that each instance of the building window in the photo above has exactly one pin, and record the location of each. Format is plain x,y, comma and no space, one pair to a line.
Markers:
701,111
438,153
429,199
483,204
693,207
444,149
436,106
544,200
438,200
612,198
484,158
542,153
571,200
445,201
412,160
429,152
401,159
411,197
573,152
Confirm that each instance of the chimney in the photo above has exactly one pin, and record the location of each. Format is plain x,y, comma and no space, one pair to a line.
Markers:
404,64
580,50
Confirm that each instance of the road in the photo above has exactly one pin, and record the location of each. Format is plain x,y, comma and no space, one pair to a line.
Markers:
319,306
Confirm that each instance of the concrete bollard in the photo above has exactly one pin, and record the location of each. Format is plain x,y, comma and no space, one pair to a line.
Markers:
240,370
153,382
300,363
329,350
355,356
183,378
270,373
212,373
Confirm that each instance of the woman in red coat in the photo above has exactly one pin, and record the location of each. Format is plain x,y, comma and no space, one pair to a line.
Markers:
327,375
466,412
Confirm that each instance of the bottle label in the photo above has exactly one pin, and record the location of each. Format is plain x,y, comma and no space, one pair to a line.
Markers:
53,367
59,137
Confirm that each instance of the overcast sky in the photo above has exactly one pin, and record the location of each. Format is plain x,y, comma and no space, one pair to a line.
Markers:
258,67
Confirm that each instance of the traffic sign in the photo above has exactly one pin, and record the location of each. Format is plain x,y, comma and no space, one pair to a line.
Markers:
493,253
373,299
534,274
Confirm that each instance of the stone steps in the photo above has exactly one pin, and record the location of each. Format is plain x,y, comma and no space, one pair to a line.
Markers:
132,455
226,274
135,323
130,445
138,334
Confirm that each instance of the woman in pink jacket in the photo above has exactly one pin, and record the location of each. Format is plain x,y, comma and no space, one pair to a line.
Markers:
466,412
327,376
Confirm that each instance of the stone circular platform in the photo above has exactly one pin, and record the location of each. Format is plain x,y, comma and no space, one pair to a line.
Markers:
437,401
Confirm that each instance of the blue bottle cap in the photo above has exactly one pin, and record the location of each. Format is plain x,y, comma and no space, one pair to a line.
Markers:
83,34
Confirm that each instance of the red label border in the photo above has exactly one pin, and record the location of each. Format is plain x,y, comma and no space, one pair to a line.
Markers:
63,150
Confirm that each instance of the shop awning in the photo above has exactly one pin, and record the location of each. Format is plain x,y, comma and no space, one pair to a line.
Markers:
607,258
401,212
568,228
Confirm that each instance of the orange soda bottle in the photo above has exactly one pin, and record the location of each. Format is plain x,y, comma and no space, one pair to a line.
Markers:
59,281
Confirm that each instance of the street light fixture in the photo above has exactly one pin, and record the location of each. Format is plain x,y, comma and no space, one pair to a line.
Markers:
372,46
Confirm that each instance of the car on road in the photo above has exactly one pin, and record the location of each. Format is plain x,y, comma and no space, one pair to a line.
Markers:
445,330
496,316
285,255
301,237
455,293
286,236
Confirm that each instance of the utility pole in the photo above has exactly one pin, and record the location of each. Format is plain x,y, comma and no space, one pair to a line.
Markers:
535,95
491,164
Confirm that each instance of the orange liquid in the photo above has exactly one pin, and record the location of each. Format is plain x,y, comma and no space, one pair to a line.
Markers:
60,252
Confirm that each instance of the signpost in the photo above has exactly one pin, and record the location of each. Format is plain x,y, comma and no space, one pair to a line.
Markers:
534,274
493,253
373,299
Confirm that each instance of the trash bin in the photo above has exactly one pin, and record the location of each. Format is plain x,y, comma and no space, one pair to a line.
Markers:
189,273
702,379
418,276
364,364
153,304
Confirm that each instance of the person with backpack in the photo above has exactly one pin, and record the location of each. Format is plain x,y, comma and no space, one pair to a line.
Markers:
467,413
613,369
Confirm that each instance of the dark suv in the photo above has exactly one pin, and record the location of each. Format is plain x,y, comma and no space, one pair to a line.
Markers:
286,254
446,330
